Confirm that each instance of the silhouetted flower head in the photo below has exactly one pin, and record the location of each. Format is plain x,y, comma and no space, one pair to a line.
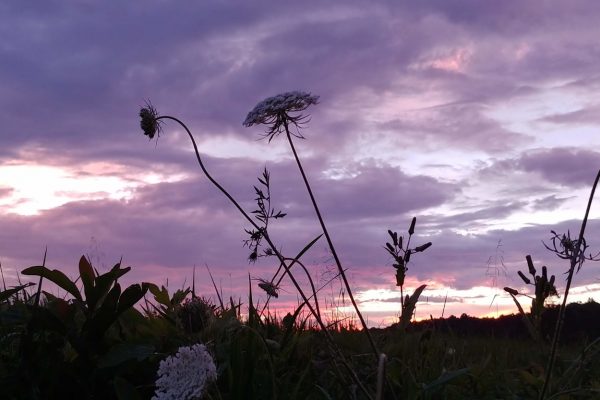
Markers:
149,124
269,287
275,112
186,374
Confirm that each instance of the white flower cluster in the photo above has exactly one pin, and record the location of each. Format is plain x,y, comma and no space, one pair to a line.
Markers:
271,108
185,375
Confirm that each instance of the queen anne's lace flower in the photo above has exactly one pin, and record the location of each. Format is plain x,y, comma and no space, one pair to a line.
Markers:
185,375
275,111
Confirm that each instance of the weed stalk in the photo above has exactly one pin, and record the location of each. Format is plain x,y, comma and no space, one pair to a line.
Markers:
150,125
575,259
330,242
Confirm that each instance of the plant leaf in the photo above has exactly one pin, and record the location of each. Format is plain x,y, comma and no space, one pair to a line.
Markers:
86,272
55,276
5,295
409,306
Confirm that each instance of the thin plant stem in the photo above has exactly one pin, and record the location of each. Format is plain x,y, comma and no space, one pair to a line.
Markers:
2,273
274,248
330,243
310,281
39,289
561,313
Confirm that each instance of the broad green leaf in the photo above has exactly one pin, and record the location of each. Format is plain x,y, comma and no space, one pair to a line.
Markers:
104,282
55,276
160,295
86,272
131,296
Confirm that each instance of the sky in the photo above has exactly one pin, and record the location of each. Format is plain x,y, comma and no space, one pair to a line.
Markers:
479,118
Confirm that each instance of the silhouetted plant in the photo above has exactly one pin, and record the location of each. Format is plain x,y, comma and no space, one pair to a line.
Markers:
195,314
401,252
543,287
264,213
280,113
574,252
151,124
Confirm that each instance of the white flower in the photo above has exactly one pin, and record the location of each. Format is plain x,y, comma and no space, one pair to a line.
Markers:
185,375
274,111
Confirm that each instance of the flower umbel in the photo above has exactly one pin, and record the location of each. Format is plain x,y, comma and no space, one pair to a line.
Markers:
185,375
275,112
149,123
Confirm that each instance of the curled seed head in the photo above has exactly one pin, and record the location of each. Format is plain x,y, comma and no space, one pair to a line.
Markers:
148,121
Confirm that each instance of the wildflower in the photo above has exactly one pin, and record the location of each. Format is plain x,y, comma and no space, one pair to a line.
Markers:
269,287
275,111
185,375
149,123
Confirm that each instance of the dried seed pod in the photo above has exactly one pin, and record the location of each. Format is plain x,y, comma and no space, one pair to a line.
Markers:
394,237
422,247
390,248
511,291
411,230
530,265
525,279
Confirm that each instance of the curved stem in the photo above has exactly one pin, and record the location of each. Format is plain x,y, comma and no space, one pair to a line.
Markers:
310,281
330,243
562,311
277,253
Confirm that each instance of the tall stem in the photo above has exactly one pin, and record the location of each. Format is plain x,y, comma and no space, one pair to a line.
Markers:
561,314
277,253
330,243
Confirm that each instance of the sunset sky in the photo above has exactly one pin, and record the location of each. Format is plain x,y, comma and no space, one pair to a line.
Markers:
482,119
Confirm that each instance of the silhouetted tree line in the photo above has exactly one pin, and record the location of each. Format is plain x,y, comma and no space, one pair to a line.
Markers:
582,323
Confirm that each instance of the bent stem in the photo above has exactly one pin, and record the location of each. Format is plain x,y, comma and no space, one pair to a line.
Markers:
277,253
330,243
561,313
